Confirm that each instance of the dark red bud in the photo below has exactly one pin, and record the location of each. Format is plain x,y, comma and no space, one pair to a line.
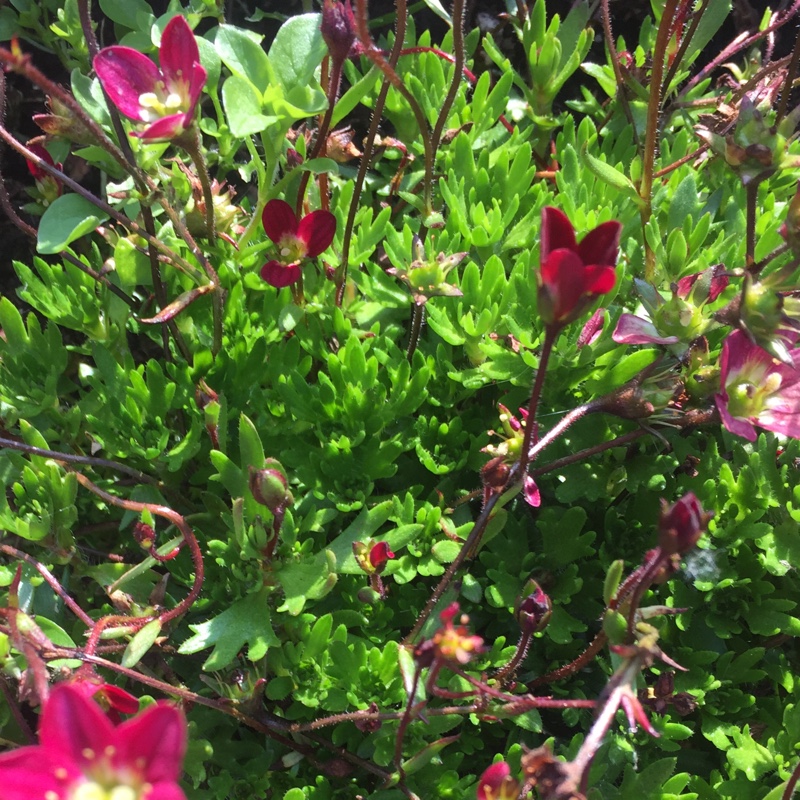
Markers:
681,525
534,608
338,28
144,535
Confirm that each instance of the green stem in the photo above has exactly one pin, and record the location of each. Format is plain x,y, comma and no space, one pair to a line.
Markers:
751,192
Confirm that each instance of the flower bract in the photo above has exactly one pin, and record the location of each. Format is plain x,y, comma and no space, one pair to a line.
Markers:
164,99
296,240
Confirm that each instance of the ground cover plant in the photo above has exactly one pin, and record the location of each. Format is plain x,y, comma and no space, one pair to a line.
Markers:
394,409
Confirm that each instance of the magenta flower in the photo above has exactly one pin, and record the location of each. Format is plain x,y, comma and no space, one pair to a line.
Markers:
48,186
496,783
571,275
164,99
756,389
81,754
307,238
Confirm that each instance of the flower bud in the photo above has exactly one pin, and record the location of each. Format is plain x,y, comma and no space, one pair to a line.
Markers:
338,29
372,556
144,535
270,487
681,525
534,608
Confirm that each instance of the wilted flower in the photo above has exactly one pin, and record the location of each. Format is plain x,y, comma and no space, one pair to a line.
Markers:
496,783
428,277
679,319
571,275
756,389
48,186
452,644
164,99
296,240
81,754
508,453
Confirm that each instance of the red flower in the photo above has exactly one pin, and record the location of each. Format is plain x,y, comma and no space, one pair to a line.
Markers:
571,275
163,98
296,240
83,755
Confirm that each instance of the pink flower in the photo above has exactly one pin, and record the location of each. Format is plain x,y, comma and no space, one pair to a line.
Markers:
756,389
571,275
165,99
296,240
83,755
496,783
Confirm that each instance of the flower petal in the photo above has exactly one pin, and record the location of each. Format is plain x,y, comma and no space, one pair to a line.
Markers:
561,285
164,791
278,219
531,492
178,53
601,245
736,425
598,279
126,74
164,129
635,330
156,738
196,83
29,773
280,275
74,725
316,230
557,232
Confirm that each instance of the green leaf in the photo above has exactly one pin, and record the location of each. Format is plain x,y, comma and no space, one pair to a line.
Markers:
247,621
68,218
242,54
141,643
242,105
612,176
298,50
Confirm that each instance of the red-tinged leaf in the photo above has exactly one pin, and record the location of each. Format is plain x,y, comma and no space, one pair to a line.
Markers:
176,306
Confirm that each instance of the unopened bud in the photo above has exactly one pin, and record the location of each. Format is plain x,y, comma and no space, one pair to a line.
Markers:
681,525
144,535
534,608
270,487
338,29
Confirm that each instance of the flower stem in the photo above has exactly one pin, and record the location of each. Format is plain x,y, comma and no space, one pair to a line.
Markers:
193,146
530,422
651,134
377,114
417,317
